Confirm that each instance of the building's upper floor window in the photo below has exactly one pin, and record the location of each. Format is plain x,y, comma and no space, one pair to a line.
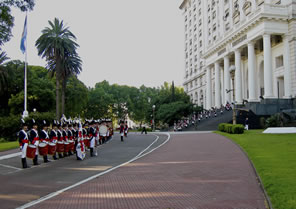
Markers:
279,61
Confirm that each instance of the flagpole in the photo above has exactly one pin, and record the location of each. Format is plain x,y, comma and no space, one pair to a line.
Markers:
25,113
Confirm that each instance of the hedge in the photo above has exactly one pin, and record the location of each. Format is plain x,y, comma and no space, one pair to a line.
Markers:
232,129
10,125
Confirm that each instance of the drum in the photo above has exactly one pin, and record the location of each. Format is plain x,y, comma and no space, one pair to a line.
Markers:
60,147
103,130
31,150
66,147
43,149
72,145
52,148
86,142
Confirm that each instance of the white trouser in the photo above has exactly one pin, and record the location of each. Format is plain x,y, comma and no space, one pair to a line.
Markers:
92,142
24,150
122,134
37,149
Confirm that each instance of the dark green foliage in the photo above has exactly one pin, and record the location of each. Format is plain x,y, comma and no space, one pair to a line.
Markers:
274,121
221,126
238,129
6,18
232,129
10,125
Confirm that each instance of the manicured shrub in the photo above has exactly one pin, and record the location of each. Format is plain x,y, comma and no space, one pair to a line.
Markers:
231,129
238,129
221,127
228,128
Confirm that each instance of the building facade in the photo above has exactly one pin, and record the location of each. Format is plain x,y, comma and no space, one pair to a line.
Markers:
239,50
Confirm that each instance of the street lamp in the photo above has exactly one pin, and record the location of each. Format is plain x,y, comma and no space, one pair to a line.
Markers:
153,122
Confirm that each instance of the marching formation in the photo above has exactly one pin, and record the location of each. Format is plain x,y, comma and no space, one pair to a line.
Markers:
65,138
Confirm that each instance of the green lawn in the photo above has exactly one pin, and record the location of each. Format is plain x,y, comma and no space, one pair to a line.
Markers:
274,156
8,145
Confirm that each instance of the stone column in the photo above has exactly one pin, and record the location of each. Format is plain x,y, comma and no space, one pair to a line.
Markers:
226,80
251,72
268,87
222,86
238,78
287,73
217,86
209,88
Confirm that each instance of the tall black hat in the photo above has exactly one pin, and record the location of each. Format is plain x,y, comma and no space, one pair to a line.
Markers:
33,122
54,123
44,124
59,124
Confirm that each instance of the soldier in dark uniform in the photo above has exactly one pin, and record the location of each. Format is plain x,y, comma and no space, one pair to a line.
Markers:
65,135
60,137
44,138
24,141
75,134
70,135
92,137
53,136
121,130
34,139
85,134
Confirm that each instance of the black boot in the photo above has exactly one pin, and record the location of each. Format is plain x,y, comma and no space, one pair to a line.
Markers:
91,152
70,153
122,138
55,156
61,156
65,154
24,163
45,159
35,160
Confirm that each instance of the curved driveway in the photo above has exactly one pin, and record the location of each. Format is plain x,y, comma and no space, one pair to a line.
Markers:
192,171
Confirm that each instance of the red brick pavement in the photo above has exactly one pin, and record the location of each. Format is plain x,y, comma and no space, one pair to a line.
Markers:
194,171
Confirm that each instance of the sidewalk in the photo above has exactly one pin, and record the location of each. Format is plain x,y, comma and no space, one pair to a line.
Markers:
192,171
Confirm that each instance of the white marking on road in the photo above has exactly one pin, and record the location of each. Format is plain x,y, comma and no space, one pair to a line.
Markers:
51,195
8,166
10,156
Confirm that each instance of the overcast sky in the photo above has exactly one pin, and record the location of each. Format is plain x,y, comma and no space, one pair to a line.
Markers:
130,42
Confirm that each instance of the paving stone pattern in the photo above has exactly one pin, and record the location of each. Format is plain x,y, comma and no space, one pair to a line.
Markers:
192,171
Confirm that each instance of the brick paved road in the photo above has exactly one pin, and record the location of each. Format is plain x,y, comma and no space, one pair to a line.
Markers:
192,171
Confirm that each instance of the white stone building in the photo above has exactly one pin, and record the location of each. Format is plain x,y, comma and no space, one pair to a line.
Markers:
239,50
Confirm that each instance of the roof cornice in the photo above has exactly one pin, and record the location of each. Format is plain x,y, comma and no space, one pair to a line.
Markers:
183,4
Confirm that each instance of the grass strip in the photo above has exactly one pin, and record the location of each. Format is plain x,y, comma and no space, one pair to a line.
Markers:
274,157
8,145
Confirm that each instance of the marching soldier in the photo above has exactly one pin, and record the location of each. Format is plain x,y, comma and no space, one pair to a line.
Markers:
53,136
60,137
65,136
85,134
34,139
92,137
121,130
44,138
70,135
24,141
125,129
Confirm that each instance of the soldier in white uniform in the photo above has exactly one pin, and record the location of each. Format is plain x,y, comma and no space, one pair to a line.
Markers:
24,141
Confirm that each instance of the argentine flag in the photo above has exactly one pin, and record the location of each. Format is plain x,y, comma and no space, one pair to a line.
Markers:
24,37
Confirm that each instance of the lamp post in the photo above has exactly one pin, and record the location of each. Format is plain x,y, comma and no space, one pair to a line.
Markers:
153,122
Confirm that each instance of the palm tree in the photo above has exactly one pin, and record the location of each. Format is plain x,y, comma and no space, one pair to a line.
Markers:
72,66
3,72
55,43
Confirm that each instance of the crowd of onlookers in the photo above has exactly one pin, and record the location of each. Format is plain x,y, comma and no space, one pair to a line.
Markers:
196,118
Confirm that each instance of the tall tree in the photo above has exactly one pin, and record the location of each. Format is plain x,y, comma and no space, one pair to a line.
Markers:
6,18
55,44
72,66
3,72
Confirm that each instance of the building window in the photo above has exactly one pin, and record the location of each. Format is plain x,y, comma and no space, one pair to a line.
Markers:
214,14
214,27
279,61
200,43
